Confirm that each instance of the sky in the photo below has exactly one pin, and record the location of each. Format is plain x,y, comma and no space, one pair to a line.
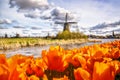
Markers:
37,17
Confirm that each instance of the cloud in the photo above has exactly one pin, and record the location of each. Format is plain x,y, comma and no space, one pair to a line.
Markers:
26,31
19,27
34,14
41,9
105,28
93,12
46,15
37,12
54,14
29,4
36,28
104,25
8,23
59,13
118,30
5,21
1,27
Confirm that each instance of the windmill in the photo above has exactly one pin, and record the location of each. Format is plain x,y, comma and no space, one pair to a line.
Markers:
66,23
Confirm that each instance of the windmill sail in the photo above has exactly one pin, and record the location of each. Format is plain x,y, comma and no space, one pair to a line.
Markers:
66,17
66,23
59,22
72,22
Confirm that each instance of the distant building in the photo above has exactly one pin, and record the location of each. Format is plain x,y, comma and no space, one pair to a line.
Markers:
113,34
117,36
6,36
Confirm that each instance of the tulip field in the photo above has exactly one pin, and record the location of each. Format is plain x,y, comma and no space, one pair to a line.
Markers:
95,62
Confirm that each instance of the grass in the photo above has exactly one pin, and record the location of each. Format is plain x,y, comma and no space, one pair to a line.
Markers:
14,43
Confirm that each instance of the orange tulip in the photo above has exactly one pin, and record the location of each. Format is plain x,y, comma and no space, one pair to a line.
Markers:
39,72
81,74
23,76
3,59
4,72
102,71
29,70
115,53
115,67
33,77
77,60
56,59
14,75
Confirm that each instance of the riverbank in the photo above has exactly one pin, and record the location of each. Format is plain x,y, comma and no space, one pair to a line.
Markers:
16,43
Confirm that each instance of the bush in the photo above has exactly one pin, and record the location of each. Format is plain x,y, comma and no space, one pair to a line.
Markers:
70,35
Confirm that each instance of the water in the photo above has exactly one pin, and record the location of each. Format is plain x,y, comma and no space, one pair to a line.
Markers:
36,51
28,51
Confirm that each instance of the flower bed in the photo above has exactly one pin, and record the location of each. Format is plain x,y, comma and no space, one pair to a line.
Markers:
96,62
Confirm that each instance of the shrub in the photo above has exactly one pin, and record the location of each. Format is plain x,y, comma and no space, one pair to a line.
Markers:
70,35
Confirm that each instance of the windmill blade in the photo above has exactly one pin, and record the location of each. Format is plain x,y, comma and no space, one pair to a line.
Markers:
59,22
72,22
66,17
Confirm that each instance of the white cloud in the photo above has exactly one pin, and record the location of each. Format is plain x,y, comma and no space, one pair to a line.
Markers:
33,14
41,9
2,27
5,21
55,13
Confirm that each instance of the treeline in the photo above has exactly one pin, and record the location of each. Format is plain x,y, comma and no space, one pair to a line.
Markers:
61,35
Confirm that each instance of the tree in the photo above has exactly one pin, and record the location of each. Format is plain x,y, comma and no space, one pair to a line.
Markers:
6,36
17,35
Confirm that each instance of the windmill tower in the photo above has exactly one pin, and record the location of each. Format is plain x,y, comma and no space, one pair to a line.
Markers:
66,23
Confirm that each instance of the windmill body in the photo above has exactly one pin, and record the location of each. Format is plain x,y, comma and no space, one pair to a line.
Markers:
66,23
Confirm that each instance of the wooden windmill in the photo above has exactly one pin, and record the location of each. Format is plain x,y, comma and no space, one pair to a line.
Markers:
66,23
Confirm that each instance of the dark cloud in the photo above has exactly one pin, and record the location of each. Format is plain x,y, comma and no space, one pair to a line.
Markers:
19,27
104,25
59,14
31,16
29,4
36,28
105,28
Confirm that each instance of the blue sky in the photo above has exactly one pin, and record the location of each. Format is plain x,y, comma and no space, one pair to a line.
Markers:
37,17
